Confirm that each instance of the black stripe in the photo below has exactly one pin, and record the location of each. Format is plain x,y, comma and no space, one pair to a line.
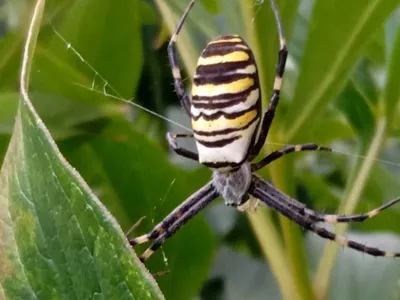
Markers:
223,43
221,68
218,143
226,131
225,104
362,248
230,116
223,164
222,79
226,96
223,49
282,62
227,37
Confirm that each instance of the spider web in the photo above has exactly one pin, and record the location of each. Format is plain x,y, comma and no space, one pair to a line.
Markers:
107,90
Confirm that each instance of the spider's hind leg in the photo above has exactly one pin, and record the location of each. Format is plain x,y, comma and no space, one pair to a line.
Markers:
335,218
315,216
264,194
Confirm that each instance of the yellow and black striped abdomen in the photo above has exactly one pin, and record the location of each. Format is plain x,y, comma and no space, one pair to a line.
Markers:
226,102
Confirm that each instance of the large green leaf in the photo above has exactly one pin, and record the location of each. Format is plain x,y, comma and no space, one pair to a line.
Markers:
338,32
134,179
58,241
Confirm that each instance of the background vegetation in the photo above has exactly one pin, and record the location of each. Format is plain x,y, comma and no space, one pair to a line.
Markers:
95,60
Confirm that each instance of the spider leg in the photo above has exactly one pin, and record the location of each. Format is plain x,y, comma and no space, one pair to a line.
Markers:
318,217
179,222
173,59
273,103
303,221
172,137
176,214
334,218
286,150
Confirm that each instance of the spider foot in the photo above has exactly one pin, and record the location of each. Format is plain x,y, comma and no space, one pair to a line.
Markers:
139,240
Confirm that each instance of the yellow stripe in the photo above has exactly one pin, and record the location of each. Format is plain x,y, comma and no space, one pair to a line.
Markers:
210,90
231,40
217,59
223,123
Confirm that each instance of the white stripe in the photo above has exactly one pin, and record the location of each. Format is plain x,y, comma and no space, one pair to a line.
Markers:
217,137
250,69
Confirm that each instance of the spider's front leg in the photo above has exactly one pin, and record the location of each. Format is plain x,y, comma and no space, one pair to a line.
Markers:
176,219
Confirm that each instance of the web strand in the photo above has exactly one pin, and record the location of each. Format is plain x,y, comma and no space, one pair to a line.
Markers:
105,85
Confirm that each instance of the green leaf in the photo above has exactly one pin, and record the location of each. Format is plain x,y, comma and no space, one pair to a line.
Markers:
134,178
338,129
358,113
116,29
147,13
62,116
268,39
213,6
58,241
391,95
338,34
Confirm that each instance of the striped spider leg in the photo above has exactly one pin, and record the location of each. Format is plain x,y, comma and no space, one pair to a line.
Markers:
261,190
225,111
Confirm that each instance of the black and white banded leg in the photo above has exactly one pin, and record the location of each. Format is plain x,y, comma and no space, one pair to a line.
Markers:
176,219
302,209
259,190
286,150
173,59
273,103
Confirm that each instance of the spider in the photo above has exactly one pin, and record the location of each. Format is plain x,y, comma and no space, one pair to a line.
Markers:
225,111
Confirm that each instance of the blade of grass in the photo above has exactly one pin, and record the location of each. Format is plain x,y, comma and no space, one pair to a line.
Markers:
324,272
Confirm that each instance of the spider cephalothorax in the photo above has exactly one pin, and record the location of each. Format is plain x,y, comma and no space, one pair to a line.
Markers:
225,109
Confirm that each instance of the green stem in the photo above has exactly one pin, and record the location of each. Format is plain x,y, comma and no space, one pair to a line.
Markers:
322,277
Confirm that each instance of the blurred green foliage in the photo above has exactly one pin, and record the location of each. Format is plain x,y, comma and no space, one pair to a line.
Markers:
96,59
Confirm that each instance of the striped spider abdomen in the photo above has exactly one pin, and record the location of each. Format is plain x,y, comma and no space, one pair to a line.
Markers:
226,103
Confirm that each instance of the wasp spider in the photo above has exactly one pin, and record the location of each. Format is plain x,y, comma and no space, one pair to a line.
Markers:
225,111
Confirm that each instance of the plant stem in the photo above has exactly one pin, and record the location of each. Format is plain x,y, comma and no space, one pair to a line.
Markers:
322,277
